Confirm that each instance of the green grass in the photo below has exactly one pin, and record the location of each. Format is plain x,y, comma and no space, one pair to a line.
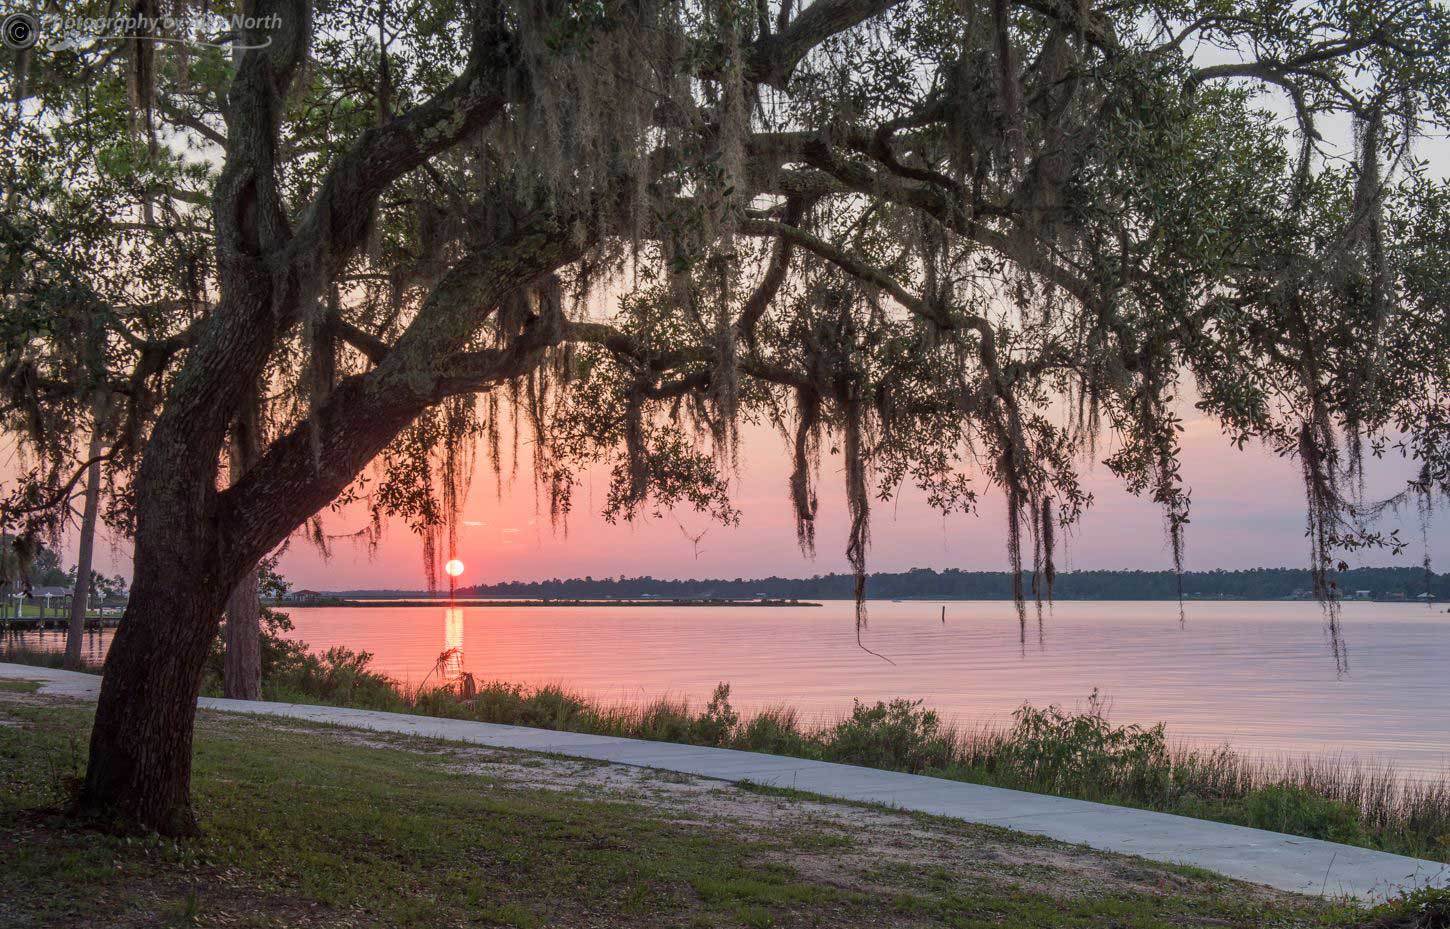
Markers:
303,828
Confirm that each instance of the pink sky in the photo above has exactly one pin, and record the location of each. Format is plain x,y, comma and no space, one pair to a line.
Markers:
1248,511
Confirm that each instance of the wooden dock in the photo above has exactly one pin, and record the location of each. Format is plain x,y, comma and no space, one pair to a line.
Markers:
47,623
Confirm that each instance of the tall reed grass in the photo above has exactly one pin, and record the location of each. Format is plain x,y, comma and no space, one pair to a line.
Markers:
1047,750
14,651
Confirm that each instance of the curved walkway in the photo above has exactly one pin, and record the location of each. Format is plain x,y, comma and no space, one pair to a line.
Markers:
1286,862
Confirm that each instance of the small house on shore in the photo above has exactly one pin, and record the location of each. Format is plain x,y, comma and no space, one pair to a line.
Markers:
52,602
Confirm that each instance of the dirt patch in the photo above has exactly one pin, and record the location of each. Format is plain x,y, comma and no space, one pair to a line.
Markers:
850,846
21,698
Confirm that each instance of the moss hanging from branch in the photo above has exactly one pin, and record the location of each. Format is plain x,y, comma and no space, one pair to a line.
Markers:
805,455
1319,460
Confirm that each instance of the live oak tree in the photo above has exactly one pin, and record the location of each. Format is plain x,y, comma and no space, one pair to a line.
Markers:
953,243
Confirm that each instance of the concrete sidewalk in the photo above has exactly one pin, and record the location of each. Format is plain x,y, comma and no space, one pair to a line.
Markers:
1286,862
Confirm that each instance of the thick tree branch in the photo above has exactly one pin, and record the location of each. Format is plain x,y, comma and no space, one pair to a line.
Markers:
372,347
624,346
337,221
309,466
774,57
1078,18
473,372
760,298
950,210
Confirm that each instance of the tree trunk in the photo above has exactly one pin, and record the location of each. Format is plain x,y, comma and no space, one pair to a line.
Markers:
76,634
242,668
242,662
139,773
139,776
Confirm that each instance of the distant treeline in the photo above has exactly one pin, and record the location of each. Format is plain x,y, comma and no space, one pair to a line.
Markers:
1255,584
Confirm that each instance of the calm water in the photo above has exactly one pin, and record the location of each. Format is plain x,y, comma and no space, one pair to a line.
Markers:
1258,675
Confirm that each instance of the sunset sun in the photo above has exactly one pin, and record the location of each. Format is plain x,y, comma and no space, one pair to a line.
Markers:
454,567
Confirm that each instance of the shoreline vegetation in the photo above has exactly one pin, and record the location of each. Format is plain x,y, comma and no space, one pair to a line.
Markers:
1080,754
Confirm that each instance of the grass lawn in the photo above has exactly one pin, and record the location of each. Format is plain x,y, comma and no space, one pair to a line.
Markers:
56,611
309,826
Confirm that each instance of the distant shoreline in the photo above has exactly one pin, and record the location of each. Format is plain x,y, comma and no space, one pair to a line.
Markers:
1384,584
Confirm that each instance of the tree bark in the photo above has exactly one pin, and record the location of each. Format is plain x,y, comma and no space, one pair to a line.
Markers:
75,635
242,660
139,775
242,666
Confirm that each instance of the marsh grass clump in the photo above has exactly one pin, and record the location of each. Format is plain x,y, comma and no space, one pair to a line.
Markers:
338,676
547,707
1297,810
777,730
15,652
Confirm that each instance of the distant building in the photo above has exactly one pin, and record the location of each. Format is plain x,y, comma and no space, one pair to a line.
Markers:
304,596
51,601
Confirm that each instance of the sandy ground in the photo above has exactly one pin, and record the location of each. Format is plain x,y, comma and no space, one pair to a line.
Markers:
837,843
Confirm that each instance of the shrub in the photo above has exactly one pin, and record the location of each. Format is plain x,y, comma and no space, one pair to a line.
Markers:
547,707
899,735
339,675
1058,752
279,654
553,707
717,724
